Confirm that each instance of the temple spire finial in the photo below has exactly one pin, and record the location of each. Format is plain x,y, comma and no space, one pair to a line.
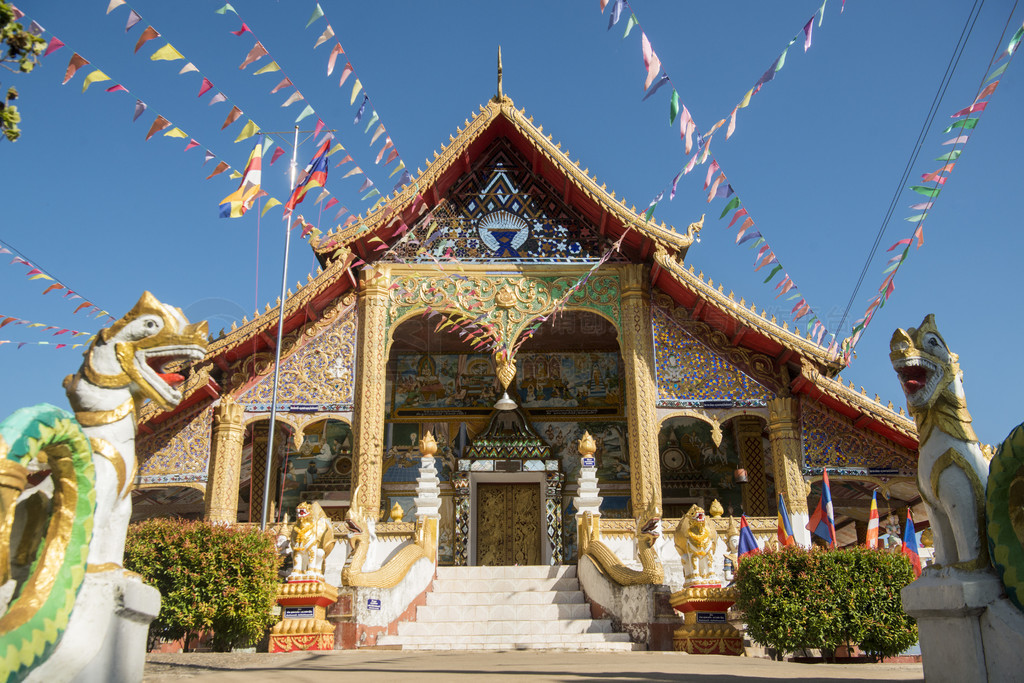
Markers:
500,93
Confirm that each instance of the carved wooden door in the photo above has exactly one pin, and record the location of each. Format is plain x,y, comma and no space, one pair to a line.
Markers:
508,524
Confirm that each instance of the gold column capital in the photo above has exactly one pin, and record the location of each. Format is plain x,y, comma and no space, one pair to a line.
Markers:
782,411
228,413
633,280
374,282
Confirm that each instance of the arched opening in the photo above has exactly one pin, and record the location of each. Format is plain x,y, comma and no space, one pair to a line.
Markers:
252,478
703,460
319,468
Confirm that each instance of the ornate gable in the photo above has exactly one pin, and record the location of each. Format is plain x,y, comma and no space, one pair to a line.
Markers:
502,211
689,374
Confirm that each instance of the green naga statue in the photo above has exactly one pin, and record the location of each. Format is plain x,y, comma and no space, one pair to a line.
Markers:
65,502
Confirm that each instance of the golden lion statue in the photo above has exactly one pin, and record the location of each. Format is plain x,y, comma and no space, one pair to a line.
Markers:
312,541
696,540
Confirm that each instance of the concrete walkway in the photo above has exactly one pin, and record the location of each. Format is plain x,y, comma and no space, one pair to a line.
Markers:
614,667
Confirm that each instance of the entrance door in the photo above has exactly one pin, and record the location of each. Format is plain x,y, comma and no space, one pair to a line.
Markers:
508,524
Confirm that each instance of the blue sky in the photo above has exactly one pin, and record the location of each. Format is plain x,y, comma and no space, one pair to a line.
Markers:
816,158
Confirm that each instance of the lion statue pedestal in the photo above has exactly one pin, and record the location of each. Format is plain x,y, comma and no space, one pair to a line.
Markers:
703,602
305,596
969,613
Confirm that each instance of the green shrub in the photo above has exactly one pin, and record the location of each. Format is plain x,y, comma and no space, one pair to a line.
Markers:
798,599
211,578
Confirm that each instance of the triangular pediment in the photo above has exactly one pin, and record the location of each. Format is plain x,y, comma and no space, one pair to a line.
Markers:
501,210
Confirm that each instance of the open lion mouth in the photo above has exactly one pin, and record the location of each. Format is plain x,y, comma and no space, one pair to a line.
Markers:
918,378
162,365
159,367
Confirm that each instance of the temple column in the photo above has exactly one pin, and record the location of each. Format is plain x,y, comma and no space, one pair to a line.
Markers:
641,389
368,408
225,463
751,451
787,458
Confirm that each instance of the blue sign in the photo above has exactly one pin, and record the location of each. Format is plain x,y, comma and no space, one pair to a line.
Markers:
710,617
373,603
298,613
589,462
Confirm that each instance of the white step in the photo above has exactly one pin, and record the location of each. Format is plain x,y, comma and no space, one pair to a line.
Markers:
503,612
507,608
504,627
524,572
507,597
505,585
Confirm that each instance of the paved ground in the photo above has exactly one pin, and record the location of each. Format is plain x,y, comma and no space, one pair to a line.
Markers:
385,665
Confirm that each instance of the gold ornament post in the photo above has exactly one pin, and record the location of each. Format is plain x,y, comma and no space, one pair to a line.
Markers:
641,389
368,411
225,463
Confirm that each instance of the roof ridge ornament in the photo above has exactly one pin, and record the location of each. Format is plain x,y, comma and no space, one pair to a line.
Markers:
500,94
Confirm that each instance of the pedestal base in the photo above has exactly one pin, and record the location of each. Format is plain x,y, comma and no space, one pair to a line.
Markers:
968,631
304,610
706,629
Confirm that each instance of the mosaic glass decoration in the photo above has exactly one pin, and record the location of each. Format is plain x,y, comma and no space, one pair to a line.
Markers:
690,375
831,440
553,514
502,211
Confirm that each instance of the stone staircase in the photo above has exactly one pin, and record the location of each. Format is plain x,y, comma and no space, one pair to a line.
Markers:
507,608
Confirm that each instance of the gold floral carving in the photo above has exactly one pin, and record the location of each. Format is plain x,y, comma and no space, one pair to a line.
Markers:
225,463
641,390
179,450
787,453
368,410
316,362
508,303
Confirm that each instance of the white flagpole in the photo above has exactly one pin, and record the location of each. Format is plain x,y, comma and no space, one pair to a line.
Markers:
277,346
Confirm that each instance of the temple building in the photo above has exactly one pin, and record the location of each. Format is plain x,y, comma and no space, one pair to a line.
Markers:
506,302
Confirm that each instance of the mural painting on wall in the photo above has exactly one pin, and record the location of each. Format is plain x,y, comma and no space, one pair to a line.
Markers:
552,384
424,384
323,463
612,455
548,384
693,466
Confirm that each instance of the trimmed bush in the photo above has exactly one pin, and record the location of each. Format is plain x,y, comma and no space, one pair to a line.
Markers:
211,578
801,599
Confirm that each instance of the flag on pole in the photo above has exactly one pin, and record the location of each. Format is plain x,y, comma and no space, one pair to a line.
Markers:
823,521
748,544
910,545
315,175
238,202
785,531
871,540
